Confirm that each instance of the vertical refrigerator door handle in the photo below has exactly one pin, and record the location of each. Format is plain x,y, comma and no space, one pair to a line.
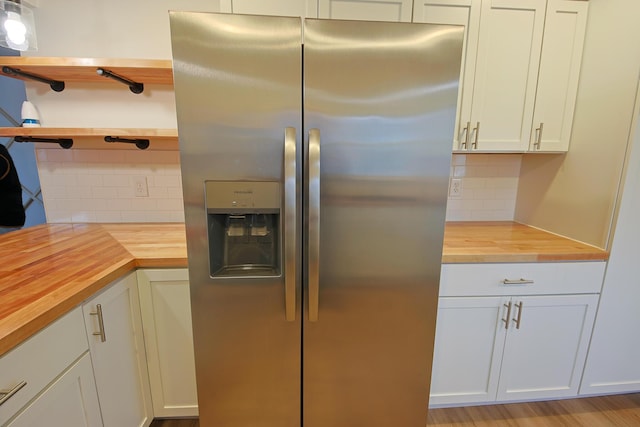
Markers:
314,223
290,223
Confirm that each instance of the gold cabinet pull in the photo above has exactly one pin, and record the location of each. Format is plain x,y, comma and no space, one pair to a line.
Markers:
7,394
519,315
101,332
507,319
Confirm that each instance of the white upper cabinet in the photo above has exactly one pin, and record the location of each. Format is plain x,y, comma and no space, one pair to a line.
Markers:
457,12
562,45
506,74
366,10
304,8
520,71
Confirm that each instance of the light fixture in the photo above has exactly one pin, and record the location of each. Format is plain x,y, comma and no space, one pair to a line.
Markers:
17,26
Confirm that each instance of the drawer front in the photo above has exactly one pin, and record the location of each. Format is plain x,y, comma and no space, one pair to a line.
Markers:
543,279
40,359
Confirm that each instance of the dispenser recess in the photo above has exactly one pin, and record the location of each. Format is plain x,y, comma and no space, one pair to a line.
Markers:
243,221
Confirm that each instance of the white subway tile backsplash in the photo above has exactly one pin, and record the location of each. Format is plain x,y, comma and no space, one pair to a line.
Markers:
104,192
158,192
175,192
120,204
108,216
489,187
169,204
60,156
97,186
166,181
83,216
458,215
139,216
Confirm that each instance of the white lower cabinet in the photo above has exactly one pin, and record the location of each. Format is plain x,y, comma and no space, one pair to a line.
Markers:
166,315
70,401
522,343
48,379
114,330
468,350
546,346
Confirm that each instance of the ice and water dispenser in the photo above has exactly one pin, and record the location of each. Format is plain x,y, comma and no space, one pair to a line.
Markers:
243,221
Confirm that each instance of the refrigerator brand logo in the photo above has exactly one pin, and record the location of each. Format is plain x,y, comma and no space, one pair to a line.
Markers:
242,191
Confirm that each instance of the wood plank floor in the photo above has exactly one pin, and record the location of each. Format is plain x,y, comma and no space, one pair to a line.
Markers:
607,411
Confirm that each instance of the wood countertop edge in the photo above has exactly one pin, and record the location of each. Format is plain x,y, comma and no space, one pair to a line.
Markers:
26,325
161,263
515,258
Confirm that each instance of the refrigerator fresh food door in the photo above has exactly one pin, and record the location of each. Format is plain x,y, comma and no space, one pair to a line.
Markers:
238,85
380,105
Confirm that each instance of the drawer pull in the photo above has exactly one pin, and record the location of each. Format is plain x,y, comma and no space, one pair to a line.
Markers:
519,315
6,394
507,319
517,282
98,313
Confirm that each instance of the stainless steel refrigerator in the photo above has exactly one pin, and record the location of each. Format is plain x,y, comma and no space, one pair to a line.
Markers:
315,160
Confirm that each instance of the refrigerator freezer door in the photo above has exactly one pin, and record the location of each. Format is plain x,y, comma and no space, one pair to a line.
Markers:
383,97
238,84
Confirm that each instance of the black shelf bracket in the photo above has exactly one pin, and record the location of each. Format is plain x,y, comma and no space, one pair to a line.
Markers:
55,85
142,144
65,143
134,87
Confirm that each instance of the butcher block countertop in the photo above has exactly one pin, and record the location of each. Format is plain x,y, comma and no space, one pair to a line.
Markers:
49,269
485,242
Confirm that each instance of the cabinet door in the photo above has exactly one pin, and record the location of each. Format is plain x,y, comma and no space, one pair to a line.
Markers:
70,401
470,337
544,356
304,8
166,318
564,30
119,360
366,10
506,74
457,12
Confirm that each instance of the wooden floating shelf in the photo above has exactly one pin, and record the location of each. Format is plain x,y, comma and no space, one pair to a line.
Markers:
147,71
91,138
44,132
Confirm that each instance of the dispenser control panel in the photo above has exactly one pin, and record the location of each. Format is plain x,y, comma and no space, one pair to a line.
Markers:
242,196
